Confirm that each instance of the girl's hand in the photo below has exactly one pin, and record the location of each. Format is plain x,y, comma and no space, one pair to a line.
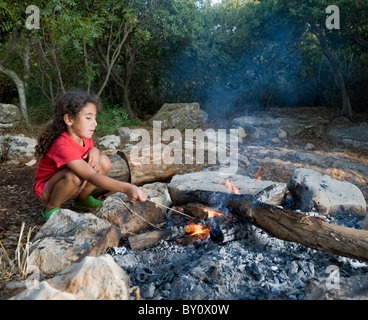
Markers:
93,156
135,194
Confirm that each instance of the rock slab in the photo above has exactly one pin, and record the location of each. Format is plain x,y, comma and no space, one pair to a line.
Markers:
321,193
214,181
67,237
9,117
131,218
180,116
94,278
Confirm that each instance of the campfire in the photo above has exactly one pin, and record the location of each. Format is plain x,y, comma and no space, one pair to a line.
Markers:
205,223
224,217
208,239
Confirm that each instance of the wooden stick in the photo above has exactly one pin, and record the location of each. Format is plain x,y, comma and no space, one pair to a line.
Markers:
182,213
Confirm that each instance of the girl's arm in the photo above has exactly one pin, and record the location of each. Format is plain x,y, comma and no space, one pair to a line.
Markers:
93,156
86,172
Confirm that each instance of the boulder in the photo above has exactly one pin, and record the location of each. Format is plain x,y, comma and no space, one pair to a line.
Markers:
313,191
356,136
67,237
129,135
9,117
94,278
180,116
110,142
19,148
129,217
43,292
267,126
207,180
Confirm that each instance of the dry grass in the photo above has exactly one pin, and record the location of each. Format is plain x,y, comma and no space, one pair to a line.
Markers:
16,268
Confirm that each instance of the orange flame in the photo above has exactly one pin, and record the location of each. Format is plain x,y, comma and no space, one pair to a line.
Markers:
193,229
229,185
256,175
212,213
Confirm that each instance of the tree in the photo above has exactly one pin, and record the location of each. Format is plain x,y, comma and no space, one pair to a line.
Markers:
311,15
125,37
11,34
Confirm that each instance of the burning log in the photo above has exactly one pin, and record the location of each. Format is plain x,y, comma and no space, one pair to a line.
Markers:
230,230
291,226
147,239
202,229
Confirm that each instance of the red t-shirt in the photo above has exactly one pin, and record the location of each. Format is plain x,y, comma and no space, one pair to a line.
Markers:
63,150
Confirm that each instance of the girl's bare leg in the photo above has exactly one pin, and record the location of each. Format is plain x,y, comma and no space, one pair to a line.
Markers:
62,187
103,167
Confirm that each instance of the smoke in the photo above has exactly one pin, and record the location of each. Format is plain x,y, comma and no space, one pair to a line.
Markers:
229,77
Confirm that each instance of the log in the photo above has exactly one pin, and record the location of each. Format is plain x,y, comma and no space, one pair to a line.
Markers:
230,230
123,169
150,238
119,170
147,239
142,173
292,226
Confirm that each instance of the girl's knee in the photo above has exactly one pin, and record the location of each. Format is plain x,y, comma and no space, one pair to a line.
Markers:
73,178
104,164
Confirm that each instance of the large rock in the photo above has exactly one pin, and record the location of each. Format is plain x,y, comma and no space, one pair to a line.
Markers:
324,194
94,278
356,137
110,142
180,116
18,148
44,291
67,237
265,126
207,180
9,117
131,218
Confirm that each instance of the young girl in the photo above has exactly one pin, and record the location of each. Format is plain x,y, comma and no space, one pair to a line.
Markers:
70,167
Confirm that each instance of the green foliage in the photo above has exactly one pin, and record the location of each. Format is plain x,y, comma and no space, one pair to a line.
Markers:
112,118
232,56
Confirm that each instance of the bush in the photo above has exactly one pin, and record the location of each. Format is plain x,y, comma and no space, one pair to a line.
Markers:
112,118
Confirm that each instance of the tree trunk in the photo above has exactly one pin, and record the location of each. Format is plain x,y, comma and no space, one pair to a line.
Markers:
127,105
334,62
21,92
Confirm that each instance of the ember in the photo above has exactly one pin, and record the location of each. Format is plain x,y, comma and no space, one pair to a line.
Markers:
212,213
194,229
229,185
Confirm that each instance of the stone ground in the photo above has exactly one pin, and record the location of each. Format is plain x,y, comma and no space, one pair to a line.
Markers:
273,161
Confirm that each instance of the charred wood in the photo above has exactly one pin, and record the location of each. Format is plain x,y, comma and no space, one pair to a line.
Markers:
230,230
147,239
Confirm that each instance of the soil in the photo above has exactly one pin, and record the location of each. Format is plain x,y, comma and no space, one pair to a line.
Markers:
18,204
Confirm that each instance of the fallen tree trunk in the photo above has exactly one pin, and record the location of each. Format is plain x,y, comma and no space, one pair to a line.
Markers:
126,170
287,225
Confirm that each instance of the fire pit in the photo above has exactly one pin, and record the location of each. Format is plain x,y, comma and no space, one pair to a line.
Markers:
217,255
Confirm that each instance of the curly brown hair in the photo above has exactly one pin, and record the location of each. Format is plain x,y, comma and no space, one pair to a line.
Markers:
70,103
